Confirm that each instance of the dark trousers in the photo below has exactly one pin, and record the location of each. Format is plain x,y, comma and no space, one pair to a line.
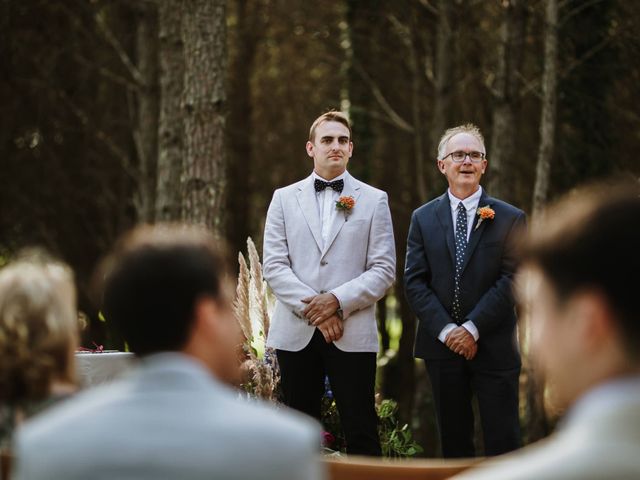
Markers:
454,382
352,377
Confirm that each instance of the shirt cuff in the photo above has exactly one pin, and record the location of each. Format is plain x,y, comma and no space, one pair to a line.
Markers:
472,329
445,331
339,301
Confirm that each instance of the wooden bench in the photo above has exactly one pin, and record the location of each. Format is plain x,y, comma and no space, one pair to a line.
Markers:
368,468
5,464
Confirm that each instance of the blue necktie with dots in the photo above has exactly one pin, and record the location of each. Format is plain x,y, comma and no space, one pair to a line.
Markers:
461,246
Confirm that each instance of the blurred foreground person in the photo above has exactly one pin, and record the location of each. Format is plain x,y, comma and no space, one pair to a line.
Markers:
581,282
38,337
173,417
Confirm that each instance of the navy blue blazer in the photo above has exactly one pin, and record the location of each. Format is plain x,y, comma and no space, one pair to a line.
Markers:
486,283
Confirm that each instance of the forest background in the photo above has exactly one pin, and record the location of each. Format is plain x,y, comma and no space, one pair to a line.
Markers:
116,112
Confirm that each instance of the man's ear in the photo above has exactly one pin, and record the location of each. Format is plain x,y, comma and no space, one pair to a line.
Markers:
309,148
594,320
441,166
206,317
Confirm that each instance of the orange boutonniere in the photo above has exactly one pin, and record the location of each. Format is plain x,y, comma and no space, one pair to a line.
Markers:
345,204
485,213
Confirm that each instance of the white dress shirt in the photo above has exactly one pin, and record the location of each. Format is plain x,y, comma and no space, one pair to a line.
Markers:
471,204
327,199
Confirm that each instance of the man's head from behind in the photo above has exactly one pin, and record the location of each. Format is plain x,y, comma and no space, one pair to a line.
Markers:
581,265
166,290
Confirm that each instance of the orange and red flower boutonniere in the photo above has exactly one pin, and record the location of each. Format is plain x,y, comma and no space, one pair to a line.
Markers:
345,204
485,213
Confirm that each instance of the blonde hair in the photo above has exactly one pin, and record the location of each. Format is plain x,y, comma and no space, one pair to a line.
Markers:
330,116
469,128
38,329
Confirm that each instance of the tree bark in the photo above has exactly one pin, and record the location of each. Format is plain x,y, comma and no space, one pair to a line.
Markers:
548,116
146,129
171,126
443,81
204,103
249,27
536,417
506,97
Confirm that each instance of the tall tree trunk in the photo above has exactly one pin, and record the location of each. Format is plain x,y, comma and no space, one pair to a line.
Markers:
362,20
536,418
506,97
146,129
249,27
443,81
171,126
204,102
548,117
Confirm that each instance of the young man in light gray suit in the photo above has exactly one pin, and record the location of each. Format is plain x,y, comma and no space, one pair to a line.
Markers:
580,282
329,256
174,417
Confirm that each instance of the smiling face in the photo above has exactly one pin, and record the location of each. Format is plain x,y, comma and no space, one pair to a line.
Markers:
331,148
464,178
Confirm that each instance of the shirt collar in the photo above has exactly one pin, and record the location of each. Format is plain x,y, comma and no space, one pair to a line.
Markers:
607,396
339,177
470,203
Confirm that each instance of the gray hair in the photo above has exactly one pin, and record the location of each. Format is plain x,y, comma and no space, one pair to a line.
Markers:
469,128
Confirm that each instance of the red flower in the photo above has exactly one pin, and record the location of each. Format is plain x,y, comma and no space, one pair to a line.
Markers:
345,203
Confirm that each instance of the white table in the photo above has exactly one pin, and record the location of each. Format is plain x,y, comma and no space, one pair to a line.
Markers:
96,368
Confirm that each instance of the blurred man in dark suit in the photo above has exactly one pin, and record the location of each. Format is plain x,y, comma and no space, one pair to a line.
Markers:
458,280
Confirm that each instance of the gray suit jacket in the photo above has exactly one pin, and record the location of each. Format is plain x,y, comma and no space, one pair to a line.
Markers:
357,264
600,440
169,419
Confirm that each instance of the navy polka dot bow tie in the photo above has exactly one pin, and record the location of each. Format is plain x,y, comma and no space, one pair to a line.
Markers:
320,185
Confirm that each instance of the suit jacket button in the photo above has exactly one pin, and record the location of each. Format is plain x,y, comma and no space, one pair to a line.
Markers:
323,262
323,291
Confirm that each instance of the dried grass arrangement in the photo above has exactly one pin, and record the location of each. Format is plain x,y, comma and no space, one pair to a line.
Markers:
251,308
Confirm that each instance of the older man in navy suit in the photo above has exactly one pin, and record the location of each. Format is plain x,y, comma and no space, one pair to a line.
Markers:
458,281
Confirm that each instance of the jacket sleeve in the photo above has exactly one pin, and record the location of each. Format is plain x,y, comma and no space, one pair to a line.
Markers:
498,302
286,286
370,286
422,299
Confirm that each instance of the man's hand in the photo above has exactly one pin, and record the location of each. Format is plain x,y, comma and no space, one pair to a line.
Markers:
462,342
320,308
332,329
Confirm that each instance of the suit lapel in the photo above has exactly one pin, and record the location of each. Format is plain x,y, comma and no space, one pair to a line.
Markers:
351,189
309,206
476,231
443,212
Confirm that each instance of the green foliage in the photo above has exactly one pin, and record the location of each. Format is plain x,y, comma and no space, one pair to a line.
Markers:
396,440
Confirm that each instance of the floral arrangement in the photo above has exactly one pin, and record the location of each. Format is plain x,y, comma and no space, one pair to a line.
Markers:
345,204
485,213
396,440
261,375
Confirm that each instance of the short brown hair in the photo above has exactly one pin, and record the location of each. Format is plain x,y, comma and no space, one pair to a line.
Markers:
590,239
153,280
330,116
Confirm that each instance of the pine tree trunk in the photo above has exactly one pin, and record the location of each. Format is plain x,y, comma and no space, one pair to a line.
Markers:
506,98
249,26
548,117
146,129
443,81
204,103
171,126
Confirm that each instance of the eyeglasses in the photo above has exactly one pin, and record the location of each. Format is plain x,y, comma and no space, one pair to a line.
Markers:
458,156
